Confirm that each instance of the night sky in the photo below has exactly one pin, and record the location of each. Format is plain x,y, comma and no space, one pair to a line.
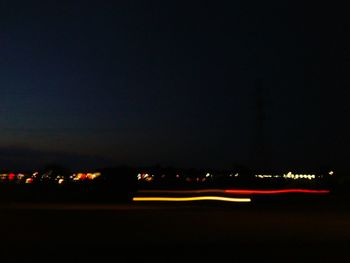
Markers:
92,83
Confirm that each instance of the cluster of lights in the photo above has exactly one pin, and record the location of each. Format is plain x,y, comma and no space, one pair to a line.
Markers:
262,176
17,178
46,177
8,177
148,177
84,176
290,175
145,177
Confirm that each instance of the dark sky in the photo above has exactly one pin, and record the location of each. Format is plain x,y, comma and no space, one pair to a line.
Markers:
170,83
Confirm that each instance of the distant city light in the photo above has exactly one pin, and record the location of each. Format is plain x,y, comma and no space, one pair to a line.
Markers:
11,177
29,180
145,177
20,176
85,176
289,175
299,176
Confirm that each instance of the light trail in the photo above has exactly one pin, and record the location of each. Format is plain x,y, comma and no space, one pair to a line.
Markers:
280,191
196,198
182,191
236,191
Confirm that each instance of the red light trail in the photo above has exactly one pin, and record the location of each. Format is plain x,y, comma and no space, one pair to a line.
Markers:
279,191
239,191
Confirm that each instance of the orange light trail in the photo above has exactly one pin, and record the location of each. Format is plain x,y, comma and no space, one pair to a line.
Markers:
189,199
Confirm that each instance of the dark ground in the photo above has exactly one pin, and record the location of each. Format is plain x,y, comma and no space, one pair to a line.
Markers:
309,231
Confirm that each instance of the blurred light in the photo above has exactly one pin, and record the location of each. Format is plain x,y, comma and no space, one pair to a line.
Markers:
84,176
29,180
236,191
182,191
20,176
189,199
60,181
145,176
331,173
280,191
290,175
148,179
11,177
92,176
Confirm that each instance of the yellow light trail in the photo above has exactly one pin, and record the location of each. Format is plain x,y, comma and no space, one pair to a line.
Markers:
189,199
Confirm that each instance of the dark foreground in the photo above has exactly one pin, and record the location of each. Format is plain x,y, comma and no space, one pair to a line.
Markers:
198,232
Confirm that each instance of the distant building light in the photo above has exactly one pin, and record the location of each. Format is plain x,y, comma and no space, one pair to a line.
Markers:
264,176
290,175
20,176
149,179
11,176
29,180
